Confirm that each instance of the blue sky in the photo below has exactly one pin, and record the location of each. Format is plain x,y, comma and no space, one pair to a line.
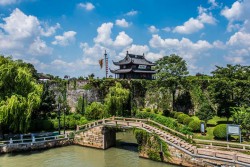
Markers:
64,37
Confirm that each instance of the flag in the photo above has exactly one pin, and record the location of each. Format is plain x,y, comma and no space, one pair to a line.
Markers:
101,63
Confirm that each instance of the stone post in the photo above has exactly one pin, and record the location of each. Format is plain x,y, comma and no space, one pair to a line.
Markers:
77,127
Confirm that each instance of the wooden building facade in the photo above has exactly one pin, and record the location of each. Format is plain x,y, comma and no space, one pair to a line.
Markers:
134,67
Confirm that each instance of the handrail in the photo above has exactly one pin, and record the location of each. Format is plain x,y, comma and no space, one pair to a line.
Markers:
211,142
169,129
196,152
34,140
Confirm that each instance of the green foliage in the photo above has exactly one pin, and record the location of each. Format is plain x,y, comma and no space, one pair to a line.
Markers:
87,87
187,120
221,92
194,125
220,131
117,101
171,69
148,110
80,105
206,112
232,72
181,117
238,114
47,103
20,95
151,145
95,111
176,114
169,122
155,110
171,66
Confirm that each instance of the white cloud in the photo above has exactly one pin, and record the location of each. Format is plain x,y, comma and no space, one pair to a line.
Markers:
137,49
103,37
183,47
39,47
65,39
92,52
153,29
213,3
122,40
87,6
104,32
196,24
7,2
50,30
132,13
239,39
238,48
167,29
207,18
234,60
20,26
153,56
234,12
122,23
189,27
20,31
238,16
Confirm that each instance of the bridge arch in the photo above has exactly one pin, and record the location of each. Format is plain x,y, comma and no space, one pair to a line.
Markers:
97,134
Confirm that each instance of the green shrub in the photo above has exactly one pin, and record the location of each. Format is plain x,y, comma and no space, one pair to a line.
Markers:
220,131
95,111
155,110
171,114
194,125
177,114
167,121
181,117
148,110
187,120
167,113
47,125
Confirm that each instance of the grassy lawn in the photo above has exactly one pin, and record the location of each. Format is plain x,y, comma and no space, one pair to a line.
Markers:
210,127
209,135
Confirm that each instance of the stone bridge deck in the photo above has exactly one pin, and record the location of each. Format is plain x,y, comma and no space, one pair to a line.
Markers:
172,138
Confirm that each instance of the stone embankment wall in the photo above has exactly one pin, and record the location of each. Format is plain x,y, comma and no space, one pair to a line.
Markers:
34,146
98,137
179,157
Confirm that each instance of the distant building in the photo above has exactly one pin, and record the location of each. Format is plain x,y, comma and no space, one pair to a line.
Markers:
134,67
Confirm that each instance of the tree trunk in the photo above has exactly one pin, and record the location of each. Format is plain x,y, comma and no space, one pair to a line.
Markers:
1,133
173,102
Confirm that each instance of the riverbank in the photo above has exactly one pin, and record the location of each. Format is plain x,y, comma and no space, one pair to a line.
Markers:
42,145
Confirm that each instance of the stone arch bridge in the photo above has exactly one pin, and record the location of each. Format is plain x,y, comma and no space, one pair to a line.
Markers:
98,135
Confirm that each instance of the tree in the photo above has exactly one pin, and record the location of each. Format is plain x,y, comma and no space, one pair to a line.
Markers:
171,69
221,91
47,103
95,111
238,114
232,72
205,113
117,101
20,95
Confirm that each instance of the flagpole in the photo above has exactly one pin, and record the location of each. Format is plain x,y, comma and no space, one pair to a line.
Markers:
106,63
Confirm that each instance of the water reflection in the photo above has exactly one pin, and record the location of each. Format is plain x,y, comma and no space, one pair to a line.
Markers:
124,155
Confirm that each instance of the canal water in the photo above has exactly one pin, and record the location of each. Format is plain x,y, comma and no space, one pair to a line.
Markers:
123,155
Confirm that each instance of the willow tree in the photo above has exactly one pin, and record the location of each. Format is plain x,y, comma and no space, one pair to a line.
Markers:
19,95
117,101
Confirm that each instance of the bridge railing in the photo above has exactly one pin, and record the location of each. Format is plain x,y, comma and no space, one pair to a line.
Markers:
32,140
221,144
147,121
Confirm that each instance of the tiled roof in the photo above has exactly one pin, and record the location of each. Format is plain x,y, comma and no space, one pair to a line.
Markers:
134,59
120,71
